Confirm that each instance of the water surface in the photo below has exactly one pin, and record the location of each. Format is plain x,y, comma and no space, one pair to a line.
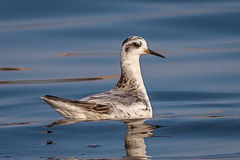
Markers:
70,49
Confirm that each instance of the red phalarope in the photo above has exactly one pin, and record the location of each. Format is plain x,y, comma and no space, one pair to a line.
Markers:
127,100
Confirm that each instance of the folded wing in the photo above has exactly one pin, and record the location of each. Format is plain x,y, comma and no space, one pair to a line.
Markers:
76,109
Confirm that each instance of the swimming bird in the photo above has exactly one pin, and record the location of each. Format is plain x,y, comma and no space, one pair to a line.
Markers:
127,100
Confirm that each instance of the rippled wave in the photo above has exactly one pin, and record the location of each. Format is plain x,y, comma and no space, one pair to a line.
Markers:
99,54
194,92
65,80
14,69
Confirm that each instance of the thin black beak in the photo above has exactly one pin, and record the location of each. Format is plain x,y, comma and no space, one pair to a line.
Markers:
149,51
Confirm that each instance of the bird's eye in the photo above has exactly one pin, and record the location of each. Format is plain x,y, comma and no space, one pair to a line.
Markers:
137,44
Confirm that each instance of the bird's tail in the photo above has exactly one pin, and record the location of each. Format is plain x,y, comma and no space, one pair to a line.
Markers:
65,107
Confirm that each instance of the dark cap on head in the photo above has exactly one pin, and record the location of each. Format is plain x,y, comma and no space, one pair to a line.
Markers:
130,39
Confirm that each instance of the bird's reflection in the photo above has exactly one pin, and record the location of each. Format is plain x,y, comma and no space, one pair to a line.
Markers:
137,130
135,145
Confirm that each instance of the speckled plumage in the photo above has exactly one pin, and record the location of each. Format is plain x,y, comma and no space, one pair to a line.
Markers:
128,99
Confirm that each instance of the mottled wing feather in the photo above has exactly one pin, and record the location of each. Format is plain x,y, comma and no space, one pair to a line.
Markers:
89,106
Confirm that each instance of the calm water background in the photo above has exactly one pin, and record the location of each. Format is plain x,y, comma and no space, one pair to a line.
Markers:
195,91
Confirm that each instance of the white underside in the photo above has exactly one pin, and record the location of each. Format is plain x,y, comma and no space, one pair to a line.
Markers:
117,112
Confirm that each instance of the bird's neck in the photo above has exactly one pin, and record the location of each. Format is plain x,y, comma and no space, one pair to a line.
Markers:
131,77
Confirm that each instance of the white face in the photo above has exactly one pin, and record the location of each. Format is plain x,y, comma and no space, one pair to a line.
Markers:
134,46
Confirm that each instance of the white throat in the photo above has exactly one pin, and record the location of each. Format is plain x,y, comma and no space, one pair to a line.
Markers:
131,75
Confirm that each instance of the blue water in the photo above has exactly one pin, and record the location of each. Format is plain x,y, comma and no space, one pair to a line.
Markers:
195,91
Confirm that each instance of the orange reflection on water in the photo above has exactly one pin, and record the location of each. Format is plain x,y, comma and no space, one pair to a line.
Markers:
59,80
86,54
14,69
214,49
97,54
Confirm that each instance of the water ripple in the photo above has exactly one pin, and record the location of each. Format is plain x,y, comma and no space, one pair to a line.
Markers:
66,80
104,19
14,69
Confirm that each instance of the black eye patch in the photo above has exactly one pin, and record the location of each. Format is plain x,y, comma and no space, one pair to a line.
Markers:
133,45
137,44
